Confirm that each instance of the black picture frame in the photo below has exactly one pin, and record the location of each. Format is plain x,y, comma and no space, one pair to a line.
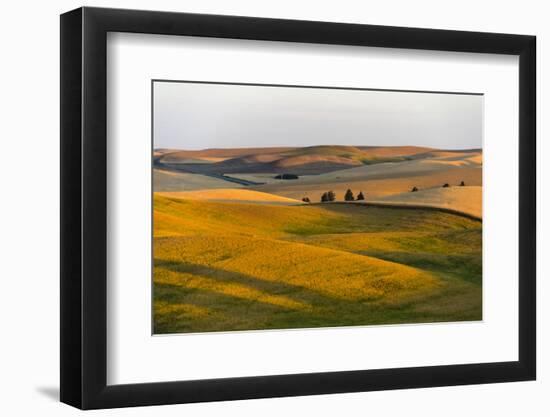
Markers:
84,207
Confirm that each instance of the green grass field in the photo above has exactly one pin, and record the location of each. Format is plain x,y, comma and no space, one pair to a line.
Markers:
237,266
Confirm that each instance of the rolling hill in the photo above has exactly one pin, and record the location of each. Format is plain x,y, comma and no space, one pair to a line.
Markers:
384,179
310,160
238,266
323,168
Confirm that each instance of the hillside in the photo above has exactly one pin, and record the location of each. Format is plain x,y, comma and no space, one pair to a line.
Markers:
374,187
384,179
237,266
463,199
179,181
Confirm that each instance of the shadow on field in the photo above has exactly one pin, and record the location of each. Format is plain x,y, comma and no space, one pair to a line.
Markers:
465,267
296,292
180,307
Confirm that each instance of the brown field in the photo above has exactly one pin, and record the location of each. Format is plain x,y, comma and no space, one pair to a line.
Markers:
327,168
463,199
374,188
311,160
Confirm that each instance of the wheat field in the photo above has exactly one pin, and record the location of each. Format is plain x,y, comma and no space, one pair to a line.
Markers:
223,266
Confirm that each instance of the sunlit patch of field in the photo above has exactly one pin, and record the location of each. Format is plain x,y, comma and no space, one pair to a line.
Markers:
463,199
238,266
476,159
230,194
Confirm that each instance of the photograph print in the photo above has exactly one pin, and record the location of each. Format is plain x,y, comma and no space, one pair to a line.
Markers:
288,207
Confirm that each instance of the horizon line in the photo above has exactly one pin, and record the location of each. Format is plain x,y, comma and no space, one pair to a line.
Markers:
319,146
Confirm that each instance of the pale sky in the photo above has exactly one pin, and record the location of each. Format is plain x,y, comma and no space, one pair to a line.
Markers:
199,116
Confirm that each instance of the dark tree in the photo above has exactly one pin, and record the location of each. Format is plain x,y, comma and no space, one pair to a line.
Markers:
446,185
360,196
349,195
414,189
462,183
331,196
306,200
286,177
324,198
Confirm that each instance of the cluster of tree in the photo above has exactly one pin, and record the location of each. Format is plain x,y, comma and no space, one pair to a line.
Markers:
350,197
306,200
328,196
286,177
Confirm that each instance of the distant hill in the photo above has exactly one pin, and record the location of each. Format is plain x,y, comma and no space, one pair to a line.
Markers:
380,180
176,155
393,151
309,160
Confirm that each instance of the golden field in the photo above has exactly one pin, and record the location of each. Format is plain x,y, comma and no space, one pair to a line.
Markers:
229,194
241,266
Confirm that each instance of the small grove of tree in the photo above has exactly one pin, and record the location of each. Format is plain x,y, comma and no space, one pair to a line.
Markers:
462,183
349,195
446,185
286,177
414,189
328,196
360,196
306,200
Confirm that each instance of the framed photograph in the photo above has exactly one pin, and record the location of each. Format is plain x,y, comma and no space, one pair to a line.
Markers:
258,208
